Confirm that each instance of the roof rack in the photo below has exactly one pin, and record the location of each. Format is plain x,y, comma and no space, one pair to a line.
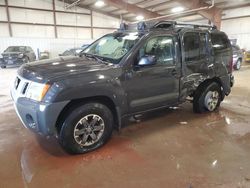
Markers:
150,25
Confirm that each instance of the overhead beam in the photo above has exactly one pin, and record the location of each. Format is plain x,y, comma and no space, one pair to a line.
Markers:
132,8
8,17
213,14
91,8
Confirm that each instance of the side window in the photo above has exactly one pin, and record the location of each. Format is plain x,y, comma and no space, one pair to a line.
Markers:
29,49
191,46
161,47
220,41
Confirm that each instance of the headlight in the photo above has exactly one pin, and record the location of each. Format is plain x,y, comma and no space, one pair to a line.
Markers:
20,56
37,91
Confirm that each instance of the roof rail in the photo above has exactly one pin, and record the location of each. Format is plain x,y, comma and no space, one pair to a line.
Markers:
168,24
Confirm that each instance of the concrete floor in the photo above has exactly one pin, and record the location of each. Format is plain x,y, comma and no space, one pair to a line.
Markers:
170,148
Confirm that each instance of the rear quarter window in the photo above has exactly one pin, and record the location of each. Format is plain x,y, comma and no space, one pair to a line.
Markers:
220,41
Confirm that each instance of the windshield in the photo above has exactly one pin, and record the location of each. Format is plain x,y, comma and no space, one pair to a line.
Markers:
15,49
113,47
73,52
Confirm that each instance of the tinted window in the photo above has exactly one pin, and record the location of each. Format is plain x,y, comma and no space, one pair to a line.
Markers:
161,47
191,46
195,46
235,48
220,41
29,49
15,49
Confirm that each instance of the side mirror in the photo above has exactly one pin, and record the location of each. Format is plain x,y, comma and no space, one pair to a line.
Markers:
147,60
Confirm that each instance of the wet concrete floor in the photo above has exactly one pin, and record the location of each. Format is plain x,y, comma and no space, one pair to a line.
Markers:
170,148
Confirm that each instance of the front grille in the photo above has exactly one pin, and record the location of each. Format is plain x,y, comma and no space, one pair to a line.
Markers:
17,82
21,85
10,58
25,88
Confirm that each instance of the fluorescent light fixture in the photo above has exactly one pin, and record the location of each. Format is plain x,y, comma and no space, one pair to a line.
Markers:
140,17
99,3
177,9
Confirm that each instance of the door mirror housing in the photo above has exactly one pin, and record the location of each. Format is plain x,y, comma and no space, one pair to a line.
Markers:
147,60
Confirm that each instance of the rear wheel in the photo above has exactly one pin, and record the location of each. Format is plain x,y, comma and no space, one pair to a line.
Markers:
207,98
3,66
86,128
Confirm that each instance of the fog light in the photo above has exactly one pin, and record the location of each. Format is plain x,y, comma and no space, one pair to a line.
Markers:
30,121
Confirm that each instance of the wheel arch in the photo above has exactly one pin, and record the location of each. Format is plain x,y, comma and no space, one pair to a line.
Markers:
79,102
209,81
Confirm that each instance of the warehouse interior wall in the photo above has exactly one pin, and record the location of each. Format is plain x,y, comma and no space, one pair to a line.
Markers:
73,30
236,23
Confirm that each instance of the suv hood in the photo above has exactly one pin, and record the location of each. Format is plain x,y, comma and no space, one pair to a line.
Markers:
58,68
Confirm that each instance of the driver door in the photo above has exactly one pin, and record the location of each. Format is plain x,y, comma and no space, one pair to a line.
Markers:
157,84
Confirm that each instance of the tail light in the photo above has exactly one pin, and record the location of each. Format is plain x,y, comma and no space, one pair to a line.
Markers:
231,65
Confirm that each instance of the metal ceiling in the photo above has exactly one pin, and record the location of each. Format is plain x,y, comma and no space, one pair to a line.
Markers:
161,7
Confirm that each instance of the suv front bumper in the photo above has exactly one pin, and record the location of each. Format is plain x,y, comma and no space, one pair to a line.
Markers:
39,117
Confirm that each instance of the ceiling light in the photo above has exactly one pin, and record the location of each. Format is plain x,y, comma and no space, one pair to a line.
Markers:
99,3
177,9
139,18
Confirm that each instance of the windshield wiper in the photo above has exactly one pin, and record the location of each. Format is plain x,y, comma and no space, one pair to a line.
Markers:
94,57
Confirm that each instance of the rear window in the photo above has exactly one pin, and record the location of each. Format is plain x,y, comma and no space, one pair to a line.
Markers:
220,41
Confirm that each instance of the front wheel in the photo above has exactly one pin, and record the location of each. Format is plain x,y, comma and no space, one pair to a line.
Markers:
86,128
207,98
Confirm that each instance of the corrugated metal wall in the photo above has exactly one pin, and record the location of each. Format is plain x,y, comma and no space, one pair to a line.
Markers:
43,37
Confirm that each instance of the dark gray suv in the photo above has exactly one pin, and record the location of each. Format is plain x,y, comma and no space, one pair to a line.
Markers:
81,100
17,55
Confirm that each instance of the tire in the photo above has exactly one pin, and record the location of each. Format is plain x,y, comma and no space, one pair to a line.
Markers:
238,64
3,66
76,134
207,98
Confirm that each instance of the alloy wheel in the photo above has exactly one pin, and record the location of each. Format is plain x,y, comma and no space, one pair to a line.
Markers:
211,100
89,129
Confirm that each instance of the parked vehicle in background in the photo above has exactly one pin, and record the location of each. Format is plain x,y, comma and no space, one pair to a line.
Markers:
44,55
17,55
237,57
72,52
247,56
84,46
81,100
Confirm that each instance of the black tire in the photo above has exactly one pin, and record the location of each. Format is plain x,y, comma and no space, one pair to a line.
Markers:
67,133
3,66
238,64
199,100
